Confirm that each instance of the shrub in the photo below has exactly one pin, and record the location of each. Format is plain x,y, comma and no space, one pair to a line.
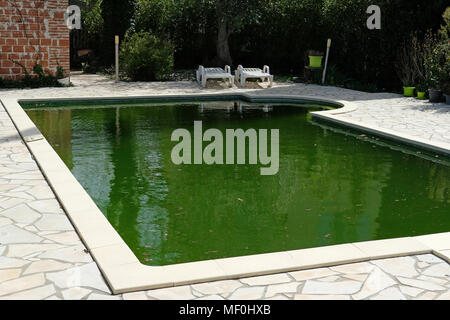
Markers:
437,63
145,57
407,62
60,73
412,62
38,70
429,43
31,82
442,67
37,79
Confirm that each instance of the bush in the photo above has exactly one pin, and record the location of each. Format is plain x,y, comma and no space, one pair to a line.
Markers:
36,80
441,65
144,57
437,60
441,55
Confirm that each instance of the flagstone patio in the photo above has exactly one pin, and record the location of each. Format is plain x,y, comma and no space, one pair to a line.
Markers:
42,257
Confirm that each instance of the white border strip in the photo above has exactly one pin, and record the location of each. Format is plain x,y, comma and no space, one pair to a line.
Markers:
124,272
436,146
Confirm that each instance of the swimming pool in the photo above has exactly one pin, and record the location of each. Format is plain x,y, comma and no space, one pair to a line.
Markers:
331,188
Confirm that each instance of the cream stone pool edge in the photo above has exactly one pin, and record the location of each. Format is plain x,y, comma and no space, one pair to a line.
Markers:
123,271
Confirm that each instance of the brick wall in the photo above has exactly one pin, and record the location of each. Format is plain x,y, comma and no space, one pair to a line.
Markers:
33,30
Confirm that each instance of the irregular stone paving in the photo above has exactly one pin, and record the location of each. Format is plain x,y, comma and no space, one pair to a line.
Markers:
405,115
42,257
406,278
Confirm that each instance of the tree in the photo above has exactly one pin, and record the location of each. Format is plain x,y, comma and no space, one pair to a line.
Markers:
91,15
233,16
155,16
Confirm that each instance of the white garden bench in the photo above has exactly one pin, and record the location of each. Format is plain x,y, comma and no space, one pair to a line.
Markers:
203,74
242,74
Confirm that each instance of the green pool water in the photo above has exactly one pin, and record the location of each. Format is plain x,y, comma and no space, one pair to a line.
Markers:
333,186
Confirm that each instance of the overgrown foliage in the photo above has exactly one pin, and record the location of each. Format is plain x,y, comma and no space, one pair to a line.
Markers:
91,17
440,66
232,17
145,57
36,79
278,32
437,58
410,62
443,52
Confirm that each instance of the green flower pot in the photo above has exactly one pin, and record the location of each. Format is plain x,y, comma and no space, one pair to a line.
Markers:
315,61
408,91
420,95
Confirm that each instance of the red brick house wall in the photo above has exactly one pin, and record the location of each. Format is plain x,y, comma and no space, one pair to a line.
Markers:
30,31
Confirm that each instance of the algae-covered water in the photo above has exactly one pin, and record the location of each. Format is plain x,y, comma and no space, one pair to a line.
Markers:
331,187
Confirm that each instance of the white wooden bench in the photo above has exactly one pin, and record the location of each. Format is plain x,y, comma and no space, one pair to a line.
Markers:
203,74
242,74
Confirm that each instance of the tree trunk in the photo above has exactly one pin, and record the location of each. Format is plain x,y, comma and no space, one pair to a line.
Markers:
223,33
223,49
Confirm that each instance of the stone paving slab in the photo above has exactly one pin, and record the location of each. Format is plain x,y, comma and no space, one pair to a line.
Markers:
42,257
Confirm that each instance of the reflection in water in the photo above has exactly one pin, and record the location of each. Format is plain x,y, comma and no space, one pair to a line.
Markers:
330,189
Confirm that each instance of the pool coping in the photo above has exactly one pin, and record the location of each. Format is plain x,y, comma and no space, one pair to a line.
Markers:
435,146
123,271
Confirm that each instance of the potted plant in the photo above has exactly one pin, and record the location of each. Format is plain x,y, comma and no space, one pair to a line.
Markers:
438,66
422,52
433,77
421,90
315,59
407,67
408,90
444,68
